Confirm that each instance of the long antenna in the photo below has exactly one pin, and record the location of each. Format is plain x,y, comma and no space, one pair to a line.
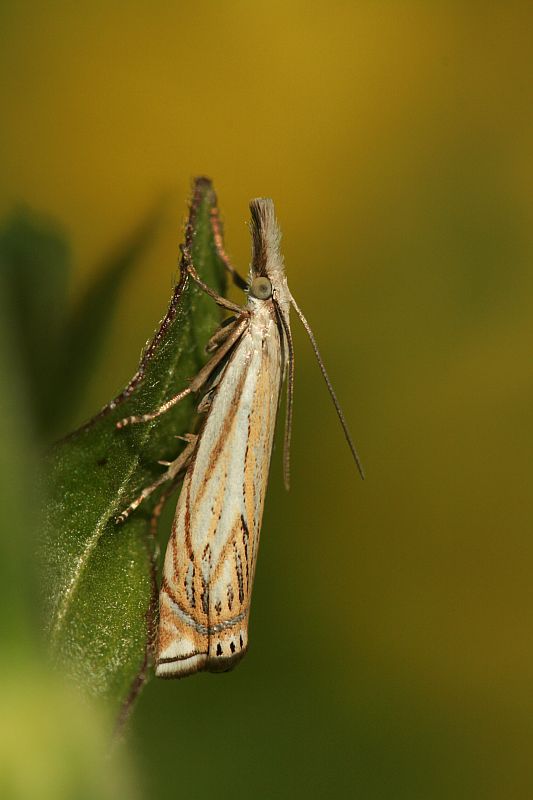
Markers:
290,398
338,409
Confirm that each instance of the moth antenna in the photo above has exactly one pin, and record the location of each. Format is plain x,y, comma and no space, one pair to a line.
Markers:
288,412
331,391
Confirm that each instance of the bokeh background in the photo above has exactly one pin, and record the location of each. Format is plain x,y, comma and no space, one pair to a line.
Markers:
391,636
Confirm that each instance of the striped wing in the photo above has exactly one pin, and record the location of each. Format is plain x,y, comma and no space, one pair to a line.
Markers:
210,560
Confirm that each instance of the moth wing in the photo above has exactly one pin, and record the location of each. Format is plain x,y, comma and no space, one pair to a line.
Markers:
241,472
210,560
182,644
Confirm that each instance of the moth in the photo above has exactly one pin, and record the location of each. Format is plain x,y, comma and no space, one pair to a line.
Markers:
210,561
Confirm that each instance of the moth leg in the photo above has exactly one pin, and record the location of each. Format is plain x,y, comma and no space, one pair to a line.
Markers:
199,379
158,508
205,403
175,468
219,300
221,334
216,225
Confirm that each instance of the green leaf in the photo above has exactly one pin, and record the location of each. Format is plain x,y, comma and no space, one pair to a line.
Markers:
100,576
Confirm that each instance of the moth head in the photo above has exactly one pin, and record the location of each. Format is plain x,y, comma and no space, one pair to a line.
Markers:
267,272
266,236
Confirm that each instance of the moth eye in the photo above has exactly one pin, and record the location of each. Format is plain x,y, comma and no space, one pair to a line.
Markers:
261,288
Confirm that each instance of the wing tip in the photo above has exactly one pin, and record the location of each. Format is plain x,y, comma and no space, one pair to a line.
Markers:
198,662
180,667
224,663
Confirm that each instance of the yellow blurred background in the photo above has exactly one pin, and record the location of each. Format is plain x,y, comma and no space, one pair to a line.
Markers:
392,636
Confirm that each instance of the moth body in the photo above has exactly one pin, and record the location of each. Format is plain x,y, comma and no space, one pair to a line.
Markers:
210,561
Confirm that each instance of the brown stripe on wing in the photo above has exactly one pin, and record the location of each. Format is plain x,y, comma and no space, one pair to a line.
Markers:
245,544
260,430
239,571
187,521
226,551
184,657
222,436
